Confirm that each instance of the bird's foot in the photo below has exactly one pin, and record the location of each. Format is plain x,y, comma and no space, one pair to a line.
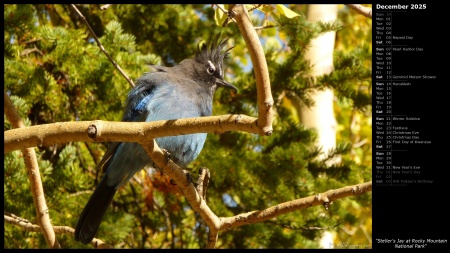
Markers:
166,155
188,177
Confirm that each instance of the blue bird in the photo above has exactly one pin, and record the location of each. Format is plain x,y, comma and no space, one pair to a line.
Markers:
183,91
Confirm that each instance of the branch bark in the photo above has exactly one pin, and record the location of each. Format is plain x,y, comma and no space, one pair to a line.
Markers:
264,93
197,203
37,190
319,199
365,11
27,225
216,224
107,131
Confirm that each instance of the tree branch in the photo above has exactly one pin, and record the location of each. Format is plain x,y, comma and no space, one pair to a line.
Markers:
198,204
216,224
365,11
29,155
107,131
101,46
27,225
319,199
203,181
264,27
264,93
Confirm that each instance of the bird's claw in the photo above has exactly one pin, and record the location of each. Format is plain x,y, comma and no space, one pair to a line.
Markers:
166,155
189,179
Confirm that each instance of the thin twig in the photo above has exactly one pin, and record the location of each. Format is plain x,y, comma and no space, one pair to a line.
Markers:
32,41
264,27
225,23
101,46
222,9
31,50
302,228
27,225
254,7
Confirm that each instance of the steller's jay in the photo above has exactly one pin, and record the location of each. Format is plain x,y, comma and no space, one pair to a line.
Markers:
182,91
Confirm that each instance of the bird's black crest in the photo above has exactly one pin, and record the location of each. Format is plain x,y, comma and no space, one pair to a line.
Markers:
212,51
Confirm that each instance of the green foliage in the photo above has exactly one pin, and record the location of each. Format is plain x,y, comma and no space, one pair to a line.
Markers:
352,78
55,72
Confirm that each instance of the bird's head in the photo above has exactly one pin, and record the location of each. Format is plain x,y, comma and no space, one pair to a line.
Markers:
209,63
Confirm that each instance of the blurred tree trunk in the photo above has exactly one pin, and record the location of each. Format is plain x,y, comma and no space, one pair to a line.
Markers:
320,115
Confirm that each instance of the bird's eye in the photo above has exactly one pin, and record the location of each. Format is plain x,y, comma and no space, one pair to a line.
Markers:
211,68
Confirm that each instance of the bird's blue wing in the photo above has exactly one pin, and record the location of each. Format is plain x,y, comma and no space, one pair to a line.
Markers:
122,160
155,98
138,99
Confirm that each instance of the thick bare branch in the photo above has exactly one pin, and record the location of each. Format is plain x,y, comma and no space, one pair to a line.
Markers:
265,100
168,167
37,190
216,224
106,131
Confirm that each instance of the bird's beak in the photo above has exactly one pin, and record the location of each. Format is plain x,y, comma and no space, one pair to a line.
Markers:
225,84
